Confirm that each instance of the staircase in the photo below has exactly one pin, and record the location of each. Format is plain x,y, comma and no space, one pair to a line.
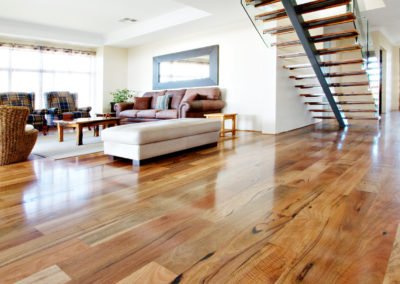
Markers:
327,50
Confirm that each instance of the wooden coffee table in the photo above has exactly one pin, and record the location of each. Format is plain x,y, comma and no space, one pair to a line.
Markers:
80,123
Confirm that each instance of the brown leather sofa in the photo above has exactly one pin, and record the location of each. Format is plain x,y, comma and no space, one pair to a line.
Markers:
184,103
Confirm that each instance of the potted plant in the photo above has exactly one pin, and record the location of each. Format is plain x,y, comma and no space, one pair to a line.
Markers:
121,96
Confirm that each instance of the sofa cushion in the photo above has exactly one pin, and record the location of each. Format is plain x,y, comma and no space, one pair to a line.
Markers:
162,102
149,113
129,113
154,95
142,103
28,127
167,114
212,93
176,96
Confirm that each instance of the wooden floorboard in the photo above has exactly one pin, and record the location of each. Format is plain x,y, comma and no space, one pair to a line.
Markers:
315,204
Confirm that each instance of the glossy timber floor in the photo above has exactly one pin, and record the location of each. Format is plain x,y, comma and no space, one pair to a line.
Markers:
315,205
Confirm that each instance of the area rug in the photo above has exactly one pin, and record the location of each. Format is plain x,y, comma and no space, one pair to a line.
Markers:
49,147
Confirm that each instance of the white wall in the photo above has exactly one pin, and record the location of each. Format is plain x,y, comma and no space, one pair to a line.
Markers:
244,72
291,112
391,80
112,74
247,74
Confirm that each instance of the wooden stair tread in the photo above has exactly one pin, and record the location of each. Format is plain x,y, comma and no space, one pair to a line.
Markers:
336,95
344,110
343,62
343,74
354,118
302,9
329,75
343,84
321,38
330,21
320,110
318,23
326,64
335,35
317,103
261,3
341,103
311,96
355,103
351,94
324,51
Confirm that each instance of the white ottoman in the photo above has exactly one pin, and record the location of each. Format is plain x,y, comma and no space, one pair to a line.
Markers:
141,141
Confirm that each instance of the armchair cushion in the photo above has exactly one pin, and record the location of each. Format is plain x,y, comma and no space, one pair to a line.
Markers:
85,109
79,114
40,111
36,120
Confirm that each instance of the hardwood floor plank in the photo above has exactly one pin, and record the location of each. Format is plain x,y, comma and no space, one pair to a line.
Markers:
135,248
310,204
52,275
36,262
149,274
392,274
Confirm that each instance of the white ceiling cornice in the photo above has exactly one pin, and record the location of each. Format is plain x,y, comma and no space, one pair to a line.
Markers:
30,31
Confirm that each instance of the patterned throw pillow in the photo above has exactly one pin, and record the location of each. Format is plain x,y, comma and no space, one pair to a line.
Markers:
162,102
142,103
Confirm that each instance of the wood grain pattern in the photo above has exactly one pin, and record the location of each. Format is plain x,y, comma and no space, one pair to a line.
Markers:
393,269
149,274
52,275
311,204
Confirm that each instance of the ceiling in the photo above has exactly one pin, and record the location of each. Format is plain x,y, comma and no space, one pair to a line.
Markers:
96,22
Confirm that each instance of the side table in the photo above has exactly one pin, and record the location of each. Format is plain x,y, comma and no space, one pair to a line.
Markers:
223,117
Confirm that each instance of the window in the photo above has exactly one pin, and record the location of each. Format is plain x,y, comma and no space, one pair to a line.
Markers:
40,70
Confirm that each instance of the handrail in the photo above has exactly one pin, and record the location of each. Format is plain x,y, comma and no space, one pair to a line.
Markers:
258,24
362,26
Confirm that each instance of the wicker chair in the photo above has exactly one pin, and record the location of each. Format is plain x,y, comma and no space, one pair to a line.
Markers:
16,140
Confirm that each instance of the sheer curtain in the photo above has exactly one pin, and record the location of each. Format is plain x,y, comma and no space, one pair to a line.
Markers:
42,70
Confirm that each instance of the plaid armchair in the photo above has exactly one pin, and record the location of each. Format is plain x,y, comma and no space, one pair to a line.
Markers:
36,117
58,103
